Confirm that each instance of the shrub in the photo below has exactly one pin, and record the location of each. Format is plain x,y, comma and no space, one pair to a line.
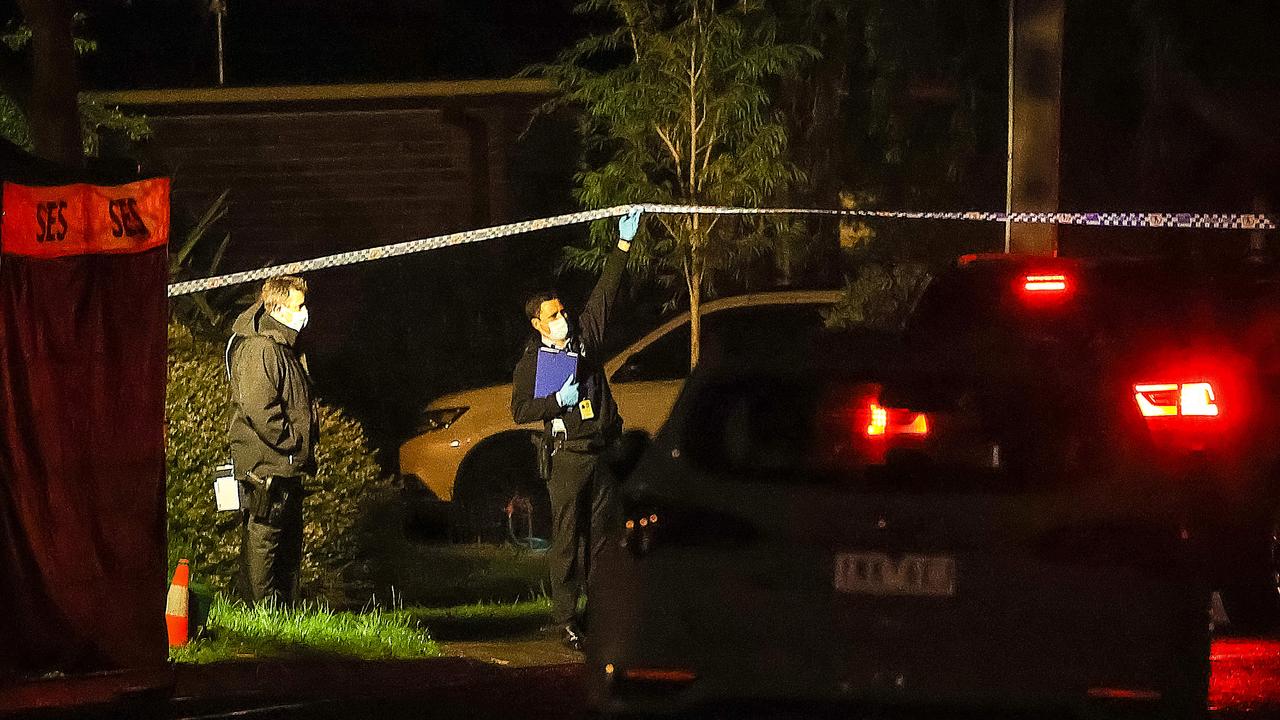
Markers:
880,297
197,407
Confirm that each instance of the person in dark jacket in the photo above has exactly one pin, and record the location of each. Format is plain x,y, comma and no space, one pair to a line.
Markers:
580,421
273,436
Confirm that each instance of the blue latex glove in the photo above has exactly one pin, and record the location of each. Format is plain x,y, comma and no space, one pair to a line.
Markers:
567,395
629,223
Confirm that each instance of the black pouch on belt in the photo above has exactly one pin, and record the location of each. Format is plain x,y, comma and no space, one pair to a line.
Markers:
258,497
282,493
542,447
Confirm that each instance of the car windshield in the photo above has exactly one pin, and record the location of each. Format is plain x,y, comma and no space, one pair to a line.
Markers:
729,335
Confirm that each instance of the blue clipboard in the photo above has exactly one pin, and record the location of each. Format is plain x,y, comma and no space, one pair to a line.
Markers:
554,367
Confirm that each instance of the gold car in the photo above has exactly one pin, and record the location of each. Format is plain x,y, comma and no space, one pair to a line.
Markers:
472,456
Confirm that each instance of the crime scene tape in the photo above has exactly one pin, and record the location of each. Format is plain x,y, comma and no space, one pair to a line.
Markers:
1214,221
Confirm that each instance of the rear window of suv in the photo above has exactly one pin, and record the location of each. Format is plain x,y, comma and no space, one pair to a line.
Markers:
980,314
807,427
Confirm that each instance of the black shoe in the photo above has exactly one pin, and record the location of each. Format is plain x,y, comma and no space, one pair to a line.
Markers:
571,637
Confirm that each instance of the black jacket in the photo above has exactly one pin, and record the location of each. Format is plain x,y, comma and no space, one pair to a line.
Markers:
586,339
275,429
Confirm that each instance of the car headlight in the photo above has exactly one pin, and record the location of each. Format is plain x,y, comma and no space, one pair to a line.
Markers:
440,418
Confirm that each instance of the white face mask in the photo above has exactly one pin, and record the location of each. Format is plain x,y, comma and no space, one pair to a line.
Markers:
294,320
558,329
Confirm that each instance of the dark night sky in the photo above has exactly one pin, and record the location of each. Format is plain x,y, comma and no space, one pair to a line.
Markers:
170,43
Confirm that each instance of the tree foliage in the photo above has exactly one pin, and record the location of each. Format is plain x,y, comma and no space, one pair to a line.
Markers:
905,108
95,118
881,297
925,70
675,107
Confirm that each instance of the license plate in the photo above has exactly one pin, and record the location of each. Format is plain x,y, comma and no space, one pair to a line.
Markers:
877,573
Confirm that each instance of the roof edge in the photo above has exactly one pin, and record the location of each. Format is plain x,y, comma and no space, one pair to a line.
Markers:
304,93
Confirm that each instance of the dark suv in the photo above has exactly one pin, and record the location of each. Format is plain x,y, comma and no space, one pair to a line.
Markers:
1024,498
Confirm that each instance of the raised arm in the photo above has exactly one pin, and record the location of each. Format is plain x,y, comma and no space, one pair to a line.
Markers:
593,322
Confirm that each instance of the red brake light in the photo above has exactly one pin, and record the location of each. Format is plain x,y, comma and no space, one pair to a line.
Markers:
879,422
1198,399
1194,399
889,422
1045,283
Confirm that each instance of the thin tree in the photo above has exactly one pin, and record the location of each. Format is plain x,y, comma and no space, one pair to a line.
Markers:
675,107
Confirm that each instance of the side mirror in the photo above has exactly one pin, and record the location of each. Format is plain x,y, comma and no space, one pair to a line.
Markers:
624,456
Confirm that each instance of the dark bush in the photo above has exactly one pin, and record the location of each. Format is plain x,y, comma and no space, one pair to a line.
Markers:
880,297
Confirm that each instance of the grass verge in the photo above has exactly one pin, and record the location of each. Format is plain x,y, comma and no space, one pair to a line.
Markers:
236,631
481,621
442,574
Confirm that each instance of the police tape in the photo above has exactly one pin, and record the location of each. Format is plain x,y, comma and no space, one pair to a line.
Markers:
1212,221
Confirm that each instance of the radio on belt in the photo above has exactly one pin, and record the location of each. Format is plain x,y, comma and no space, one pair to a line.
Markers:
226,490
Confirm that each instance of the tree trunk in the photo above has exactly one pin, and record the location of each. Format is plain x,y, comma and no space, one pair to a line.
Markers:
695,318
1035,121
693,280
52,111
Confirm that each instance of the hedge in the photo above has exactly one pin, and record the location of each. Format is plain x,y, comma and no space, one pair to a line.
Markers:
880,297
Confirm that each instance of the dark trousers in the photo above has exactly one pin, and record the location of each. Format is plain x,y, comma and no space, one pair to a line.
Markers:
583,510
271,550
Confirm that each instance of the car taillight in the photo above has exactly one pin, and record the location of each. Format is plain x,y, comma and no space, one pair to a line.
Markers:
888,422
1198,399
1191,399
1045,283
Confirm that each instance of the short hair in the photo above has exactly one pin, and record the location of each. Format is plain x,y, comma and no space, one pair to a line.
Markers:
533,306
275,292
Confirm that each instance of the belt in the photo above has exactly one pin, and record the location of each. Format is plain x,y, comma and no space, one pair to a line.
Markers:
581,446
592,445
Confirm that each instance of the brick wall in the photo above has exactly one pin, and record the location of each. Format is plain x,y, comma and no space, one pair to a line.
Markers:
321,180
318,170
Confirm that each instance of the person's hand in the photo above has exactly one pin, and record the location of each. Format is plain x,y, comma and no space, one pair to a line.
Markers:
628,224
567,395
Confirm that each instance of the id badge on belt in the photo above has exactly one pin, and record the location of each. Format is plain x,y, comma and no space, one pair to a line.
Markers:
585,410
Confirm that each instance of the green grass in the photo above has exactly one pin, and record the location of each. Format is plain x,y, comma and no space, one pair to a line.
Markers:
240,632
237,631
419,593
482,621
444,575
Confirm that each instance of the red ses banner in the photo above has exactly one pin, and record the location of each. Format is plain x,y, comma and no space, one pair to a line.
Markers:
83,219
82,382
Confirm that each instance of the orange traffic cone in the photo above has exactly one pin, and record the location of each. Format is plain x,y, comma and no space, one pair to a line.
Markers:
175,611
